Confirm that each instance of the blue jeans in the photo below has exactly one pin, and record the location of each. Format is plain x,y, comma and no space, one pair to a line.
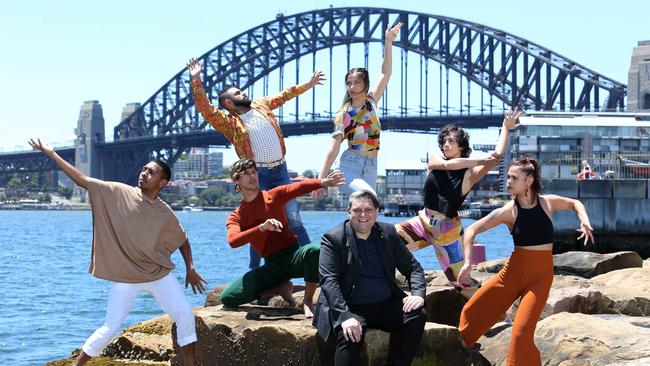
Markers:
358,168
274,177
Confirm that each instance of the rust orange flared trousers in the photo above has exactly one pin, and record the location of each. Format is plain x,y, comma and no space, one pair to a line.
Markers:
529,275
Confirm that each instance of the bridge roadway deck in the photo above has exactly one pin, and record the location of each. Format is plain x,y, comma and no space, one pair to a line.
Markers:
24,161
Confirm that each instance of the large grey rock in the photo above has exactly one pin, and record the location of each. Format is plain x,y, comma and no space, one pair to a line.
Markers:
627,291
476,281
646,263
588,264
572,339
213,298
634,320
253,335
150,340
569,294
429,275
106,361
298,297
443,305
492,266
482,277
146,343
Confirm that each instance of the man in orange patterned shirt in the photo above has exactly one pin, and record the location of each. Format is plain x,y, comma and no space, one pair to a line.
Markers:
255,133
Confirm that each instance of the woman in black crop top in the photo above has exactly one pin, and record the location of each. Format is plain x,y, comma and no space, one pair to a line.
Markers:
451,177
529,271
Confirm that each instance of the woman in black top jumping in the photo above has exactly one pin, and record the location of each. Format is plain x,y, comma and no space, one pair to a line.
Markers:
529,271
451,177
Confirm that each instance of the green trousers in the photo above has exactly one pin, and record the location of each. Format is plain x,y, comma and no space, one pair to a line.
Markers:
279,267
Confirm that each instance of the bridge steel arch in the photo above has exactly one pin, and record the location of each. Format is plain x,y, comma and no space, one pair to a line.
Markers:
513,69
510,68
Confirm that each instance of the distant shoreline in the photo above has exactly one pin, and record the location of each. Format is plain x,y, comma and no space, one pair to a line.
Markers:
48,207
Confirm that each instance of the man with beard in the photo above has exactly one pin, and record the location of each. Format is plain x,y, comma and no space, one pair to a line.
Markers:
255,133
134,235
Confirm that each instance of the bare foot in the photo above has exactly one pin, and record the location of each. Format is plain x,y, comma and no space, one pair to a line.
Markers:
286,292
309,310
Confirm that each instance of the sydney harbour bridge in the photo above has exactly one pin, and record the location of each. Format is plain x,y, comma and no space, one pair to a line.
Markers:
444,70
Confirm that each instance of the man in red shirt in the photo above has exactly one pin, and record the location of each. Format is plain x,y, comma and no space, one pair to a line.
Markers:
261,220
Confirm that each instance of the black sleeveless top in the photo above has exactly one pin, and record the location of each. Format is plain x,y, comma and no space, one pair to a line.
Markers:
532,226
443,191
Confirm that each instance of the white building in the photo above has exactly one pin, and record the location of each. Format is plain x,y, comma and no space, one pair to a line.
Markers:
198,164
610,142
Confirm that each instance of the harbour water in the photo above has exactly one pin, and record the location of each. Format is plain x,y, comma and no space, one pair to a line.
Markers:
50,303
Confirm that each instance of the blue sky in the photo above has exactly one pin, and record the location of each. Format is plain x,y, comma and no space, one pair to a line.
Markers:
56,55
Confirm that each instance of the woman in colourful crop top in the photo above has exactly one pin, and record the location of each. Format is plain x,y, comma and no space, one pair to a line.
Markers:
450,179
358,123
529,271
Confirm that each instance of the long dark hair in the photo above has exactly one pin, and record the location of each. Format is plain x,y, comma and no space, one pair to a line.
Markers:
530,167
463,139
347,99
364,76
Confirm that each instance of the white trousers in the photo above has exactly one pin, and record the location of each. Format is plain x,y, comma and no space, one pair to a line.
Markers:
167,292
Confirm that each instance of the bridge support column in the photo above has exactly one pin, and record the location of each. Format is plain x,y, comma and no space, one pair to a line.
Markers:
638,79
89,132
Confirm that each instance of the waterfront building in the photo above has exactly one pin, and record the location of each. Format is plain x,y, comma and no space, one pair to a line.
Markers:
615,145
199,163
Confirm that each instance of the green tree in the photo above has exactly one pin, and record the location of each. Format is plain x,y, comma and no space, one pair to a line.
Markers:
309,173
65,191
15,182
193,200
224,173
212,196
44,198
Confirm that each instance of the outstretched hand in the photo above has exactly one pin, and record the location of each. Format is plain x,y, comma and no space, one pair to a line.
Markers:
192,277
510,118
38,145
194,66
317,78
586,232
334,178
391,33
464,275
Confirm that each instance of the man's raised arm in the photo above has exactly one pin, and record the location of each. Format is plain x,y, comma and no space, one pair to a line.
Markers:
210,113
75,174
291,92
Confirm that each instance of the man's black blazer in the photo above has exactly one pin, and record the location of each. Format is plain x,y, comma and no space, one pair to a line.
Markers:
339,269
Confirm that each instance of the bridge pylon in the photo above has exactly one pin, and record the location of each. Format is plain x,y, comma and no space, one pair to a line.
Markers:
89,134
638,99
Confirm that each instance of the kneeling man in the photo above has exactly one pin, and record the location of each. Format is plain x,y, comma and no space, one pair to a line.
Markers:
261,220
357,266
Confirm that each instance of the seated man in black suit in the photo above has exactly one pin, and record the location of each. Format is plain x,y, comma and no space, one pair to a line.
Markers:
357,266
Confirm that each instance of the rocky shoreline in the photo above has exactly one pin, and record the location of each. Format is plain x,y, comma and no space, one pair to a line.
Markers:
596,314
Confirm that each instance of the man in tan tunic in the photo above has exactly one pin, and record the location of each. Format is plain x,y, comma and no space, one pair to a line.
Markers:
134,235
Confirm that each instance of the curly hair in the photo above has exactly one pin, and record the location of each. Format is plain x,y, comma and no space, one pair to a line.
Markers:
240,166
462,138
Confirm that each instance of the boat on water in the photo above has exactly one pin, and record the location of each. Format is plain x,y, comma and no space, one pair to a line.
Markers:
479,209
637,167
192,209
